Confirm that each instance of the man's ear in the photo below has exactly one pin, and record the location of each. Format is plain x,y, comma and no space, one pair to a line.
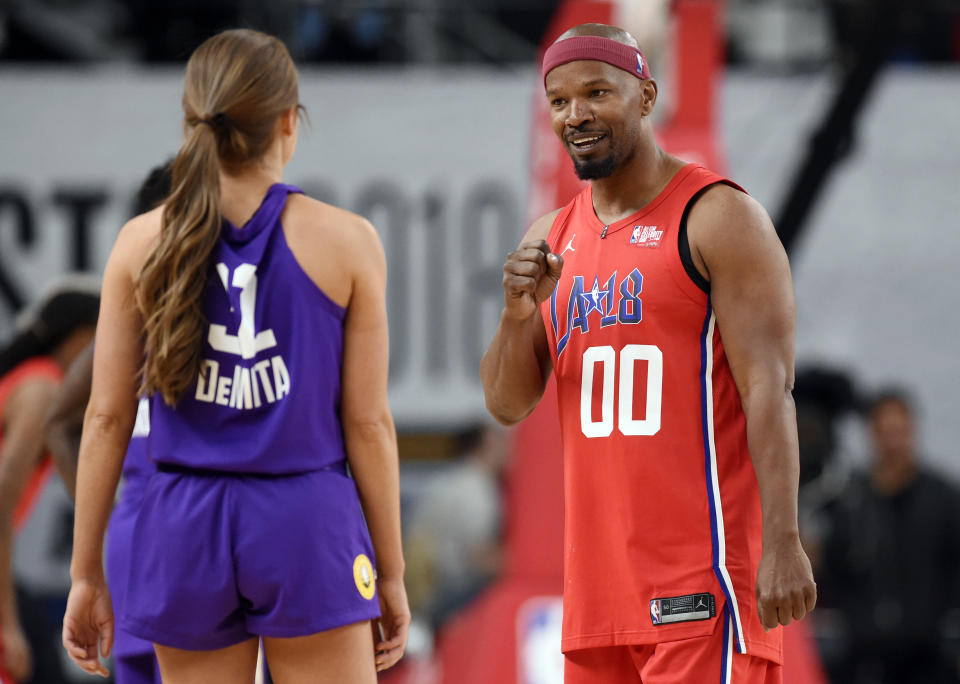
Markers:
648,92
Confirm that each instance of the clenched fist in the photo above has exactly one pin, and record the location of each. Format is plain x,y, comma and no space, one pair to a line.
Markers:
785,587
529,277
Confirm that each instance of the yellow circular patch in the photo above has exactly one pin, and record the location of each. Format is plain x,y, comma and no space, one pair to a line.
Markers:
364,576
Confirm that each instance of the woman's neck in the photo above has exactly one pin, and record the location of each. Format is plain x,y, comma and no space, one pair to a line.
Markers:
242,193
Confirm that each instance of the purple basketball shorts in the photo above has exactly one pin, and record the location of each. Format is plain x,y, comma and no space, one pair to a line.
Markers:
119,539
220,558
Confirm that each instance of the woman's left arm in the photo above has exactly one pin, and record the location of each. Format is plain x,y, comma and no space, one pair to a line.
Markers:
107,426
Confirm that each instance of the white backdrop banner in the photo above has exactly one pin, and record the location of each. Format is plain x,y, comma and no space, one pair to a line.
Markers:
437,160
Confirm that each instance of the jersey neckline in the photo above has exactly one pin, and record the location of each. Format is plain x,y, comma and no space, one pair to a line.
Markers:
265,215
604,229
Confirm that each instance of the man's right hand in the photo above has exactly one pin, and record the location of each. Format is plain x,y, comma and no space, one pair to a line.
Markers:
530,275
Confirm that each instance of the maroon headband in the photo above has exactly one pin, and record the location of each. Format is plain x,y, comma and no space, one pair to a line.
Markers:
596,48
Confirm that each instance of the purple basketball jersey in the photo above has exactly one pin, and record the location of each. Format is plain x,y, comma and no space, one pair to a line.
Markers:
267,399
137,470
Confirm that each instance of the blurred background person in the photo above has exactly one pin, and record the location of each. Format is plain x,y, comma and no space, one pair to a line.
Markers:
48,338
134,658
891,558
454,534
824,398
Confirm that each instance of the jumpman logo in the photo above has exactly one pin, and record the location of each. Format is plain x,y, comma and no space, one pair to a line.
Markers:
569,246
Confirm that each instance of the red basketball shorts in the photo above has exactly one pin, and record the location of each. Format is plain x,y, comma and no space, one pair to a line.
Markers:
702,660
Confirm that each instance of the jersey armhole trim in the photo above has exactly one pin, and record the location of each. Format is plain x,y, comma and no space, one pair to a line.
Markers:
683,242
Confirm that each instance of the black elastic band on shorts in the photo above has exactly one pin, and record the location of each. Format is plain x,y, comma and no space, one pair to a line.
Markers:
338,467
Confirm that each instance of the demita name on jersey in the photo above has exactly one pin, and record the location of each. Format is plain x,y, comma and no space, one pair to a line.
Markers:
265,382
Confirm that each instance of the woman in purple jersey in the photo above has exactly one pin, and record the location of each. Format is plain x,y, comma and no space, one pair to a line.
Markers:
256,318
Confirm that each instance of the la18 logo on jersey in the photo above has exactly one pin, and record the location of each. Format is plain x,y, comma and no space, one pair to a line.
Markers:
612,303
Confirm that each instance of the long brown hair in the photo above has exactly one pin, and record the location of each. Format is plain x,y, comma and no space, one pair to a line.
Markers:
237,85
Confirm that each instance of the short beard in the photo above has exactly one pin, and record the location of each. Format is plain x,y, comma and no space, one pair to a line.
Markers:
595,169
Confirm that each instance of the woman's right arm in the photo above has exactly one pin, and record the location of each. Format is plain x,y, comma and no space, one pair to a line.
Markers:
107,426
371,439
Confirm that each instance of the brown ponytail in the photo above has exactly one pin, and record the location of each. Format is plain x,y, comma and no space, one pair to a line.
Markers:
237,85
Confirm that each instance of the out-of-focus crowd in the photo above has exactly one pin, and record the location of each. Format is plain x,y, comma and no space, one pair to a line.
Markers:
884,536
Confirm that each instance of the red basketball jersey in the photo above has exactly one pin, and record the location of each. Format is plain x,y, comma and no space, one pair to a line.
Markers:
663,526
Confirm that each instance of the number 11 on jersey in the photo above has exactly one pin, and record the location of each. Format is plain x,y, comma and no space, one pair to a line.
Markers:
626,423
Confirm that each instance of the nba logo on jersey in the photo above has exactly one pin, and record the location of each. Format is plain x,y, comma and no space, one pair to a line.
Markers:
655,611
646,236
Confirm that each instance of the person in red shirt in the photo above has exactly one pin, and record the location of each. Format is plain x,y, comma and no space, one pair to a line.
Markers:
661,299
31,365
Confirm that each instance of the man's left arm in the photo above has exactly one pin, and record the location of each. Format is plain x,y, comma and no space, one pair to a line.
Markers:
733,240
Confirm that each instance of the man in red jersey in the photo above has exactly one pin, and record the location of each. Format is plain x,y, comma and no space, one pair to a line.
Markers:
661,298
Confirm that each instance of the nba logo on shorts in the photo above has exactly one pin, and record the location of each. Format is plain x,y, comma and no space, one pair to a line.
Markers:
655,611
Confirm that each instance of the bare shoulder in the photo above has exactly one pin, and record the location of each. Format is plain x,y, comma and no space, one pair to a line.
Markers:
726,214
335,247
729,231
301,206
136,240
540,229
337,226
